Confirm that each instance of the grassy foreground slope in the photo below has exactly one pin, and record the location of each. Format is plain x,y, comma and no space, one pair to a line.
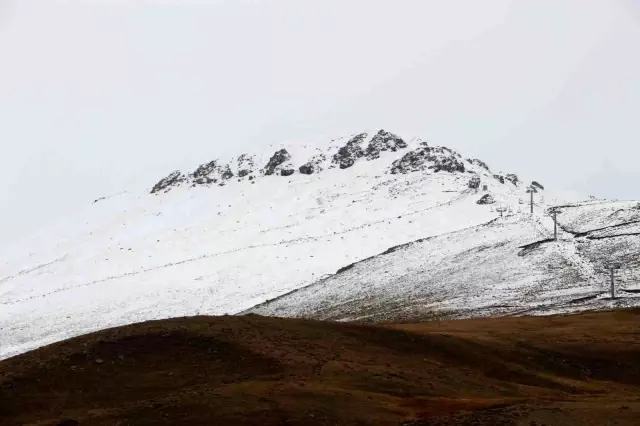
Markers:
250,370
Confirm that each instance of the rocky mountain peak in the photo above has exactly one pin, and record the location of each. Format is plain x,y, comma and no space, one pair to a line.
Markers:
278,163
348,154
383,141
418,157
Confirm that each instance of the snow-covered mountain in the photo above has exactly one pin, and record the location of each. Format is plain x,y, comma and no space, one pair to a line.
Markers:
237,232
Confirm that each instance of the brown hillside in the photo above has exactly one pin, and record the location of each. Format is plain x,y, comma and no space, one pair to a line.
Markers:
564,370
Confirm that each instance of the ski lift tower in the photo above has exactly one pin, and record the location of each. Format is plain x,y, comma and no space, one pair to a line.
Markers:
554,212
613,267
531,190
501,210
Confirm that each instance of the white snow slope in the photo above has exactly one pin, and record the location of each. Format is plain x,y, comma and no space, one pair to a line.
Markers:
505,267
196,247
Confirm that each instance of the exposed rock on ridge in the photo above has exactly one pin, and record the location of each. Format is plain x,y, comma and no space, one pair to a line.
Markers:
479,163
211,172
348,154
384,141
314,165
165,184
277,160
282,163
429,158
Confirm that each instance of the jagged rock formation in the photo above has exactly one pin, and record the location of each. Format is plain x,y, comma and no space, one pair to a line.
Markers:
537,185
486,199
512,178
211,172
277,160
348,154
165,184
422,157
246,165
383,141
479,163
432,158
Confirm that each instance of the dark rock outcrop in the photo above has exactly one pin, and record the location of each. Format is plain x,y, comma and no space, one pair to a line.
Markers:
174,179
383,141
500,178
314,165
211,172
286,172
348,154
278,159
512,178
307,169
537,185
246,165
486,199
429,158
478,162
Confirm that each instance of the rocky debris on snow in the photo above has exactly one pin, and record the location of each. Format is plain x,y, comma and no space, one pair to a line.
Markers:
512,178
500,178
486,199
474,182
429,158
383,141
537,185
246,165
479,163
211,172
174,179
314,165
348,154
277,160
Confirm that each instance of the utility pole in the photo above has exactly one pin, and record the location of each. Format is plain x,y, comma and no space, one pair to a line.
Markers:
531,190
612,267
554,212
501,210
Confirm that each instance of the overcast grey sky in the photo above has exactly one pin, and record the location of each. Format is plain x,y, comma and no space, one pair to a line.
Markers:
97,94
